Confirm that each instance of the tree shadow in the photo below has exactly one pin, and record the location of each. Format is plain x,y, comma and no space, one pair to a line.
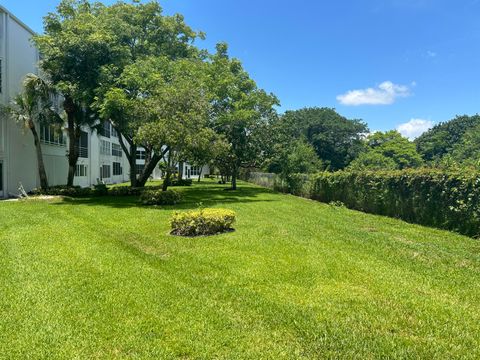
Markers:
193,196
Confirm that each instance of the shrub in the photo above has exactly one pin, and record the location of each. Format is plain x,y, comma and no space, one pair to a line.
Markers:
100,189
427,196
125,191
159,197
63,190
180,182
202,222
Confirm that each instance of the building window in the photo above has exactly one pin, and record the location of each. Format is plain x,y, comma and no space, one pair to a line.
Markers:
83,145
105,172
117,169
105,147
52,135
139,168
195,170
81,170
105,129
116,150
140,154
114,132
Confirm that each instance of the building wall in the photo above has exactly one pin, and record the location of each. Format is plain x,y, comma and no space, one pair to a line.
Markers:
17,151
19,58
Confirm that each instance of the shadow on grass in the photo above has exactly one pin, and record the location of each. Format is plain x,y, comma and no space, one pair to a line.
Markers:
207,195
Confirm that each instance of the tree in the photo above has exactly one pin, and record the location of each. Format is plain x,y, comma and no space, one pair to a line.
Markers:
372,160
141,32
444,137
31,107
170,100
240,111
389,149
467,151
74,47
336,139
204,149
296,157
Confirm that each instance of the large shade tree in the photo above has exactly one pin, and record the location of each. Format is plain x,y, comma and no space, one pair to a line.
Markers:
86,46
75,46
336,139
240,111
167,106
141,32
387,151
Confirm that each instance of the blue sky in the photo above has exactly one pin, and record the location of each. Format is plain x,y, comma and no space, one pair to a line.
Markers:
393,63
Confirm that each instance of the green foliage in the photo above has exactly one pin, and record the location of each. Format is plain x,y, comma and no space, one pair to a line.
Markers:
160,197
126,191
240,111
444,137
336,139
372,160
100,189
295,157
389,149
467,151
63,190
202,222
429,197
180,182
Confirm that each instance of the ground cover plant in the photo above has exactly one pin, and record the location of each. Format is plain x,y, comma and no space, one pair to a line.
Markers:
101,277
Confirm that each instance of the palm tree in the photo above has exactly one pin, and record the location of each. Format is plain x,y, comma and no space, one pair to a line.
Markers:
34,106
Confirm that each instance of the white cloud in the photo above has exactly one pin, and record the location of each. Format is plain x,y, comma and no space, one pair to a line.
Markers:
414,128
384,94
431,54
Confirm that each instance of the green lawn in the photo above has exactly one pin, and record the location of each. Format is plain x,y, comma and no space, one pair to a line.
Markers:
102,278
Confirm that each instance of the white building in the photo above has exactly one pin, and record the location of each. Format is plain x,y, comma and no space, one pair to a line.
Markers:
101,157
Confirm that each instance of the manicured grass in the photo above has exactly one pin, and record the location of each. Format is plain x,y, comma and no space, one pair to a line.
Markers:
102,278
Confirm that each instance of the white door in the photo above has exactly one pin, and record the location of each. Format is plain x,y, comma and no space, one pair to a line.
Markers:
1,178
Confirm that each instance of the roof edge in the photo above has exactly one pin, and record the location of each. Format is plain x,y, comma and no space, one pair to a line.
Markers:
20,22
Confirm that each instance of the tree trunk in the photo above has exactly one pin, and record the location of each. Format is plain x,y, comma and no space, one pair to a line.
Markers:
200,173
168,175
69,107
41,165
148,170
234,178
131,155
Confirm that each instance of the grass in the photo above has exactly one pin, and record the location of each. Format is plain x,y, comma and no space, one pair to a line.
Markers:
102,278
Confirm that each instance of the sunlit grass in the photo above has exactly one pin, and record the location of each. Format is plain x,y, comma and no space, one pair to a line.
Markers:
102,278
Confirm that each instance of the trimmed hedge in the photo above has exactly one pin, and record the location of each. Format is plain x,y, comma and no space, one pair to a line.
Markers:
159,197
428,197
202,222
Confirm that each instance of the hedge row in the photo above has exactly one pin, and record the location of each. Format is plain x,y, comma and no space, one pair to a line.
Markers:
103,190
427,196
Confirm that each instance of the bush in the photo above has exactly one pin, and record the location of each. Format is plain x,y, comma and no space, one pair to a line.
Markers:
125,191
63,190
159,197
180,182
427,196
202,222
100,189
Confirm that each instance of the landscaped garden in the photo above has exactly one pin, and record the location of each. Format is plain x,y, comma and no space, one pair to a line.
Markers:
102,277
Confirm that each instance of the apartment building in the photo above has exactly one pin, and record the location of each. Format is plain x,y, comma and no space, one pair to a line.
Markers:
101,156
